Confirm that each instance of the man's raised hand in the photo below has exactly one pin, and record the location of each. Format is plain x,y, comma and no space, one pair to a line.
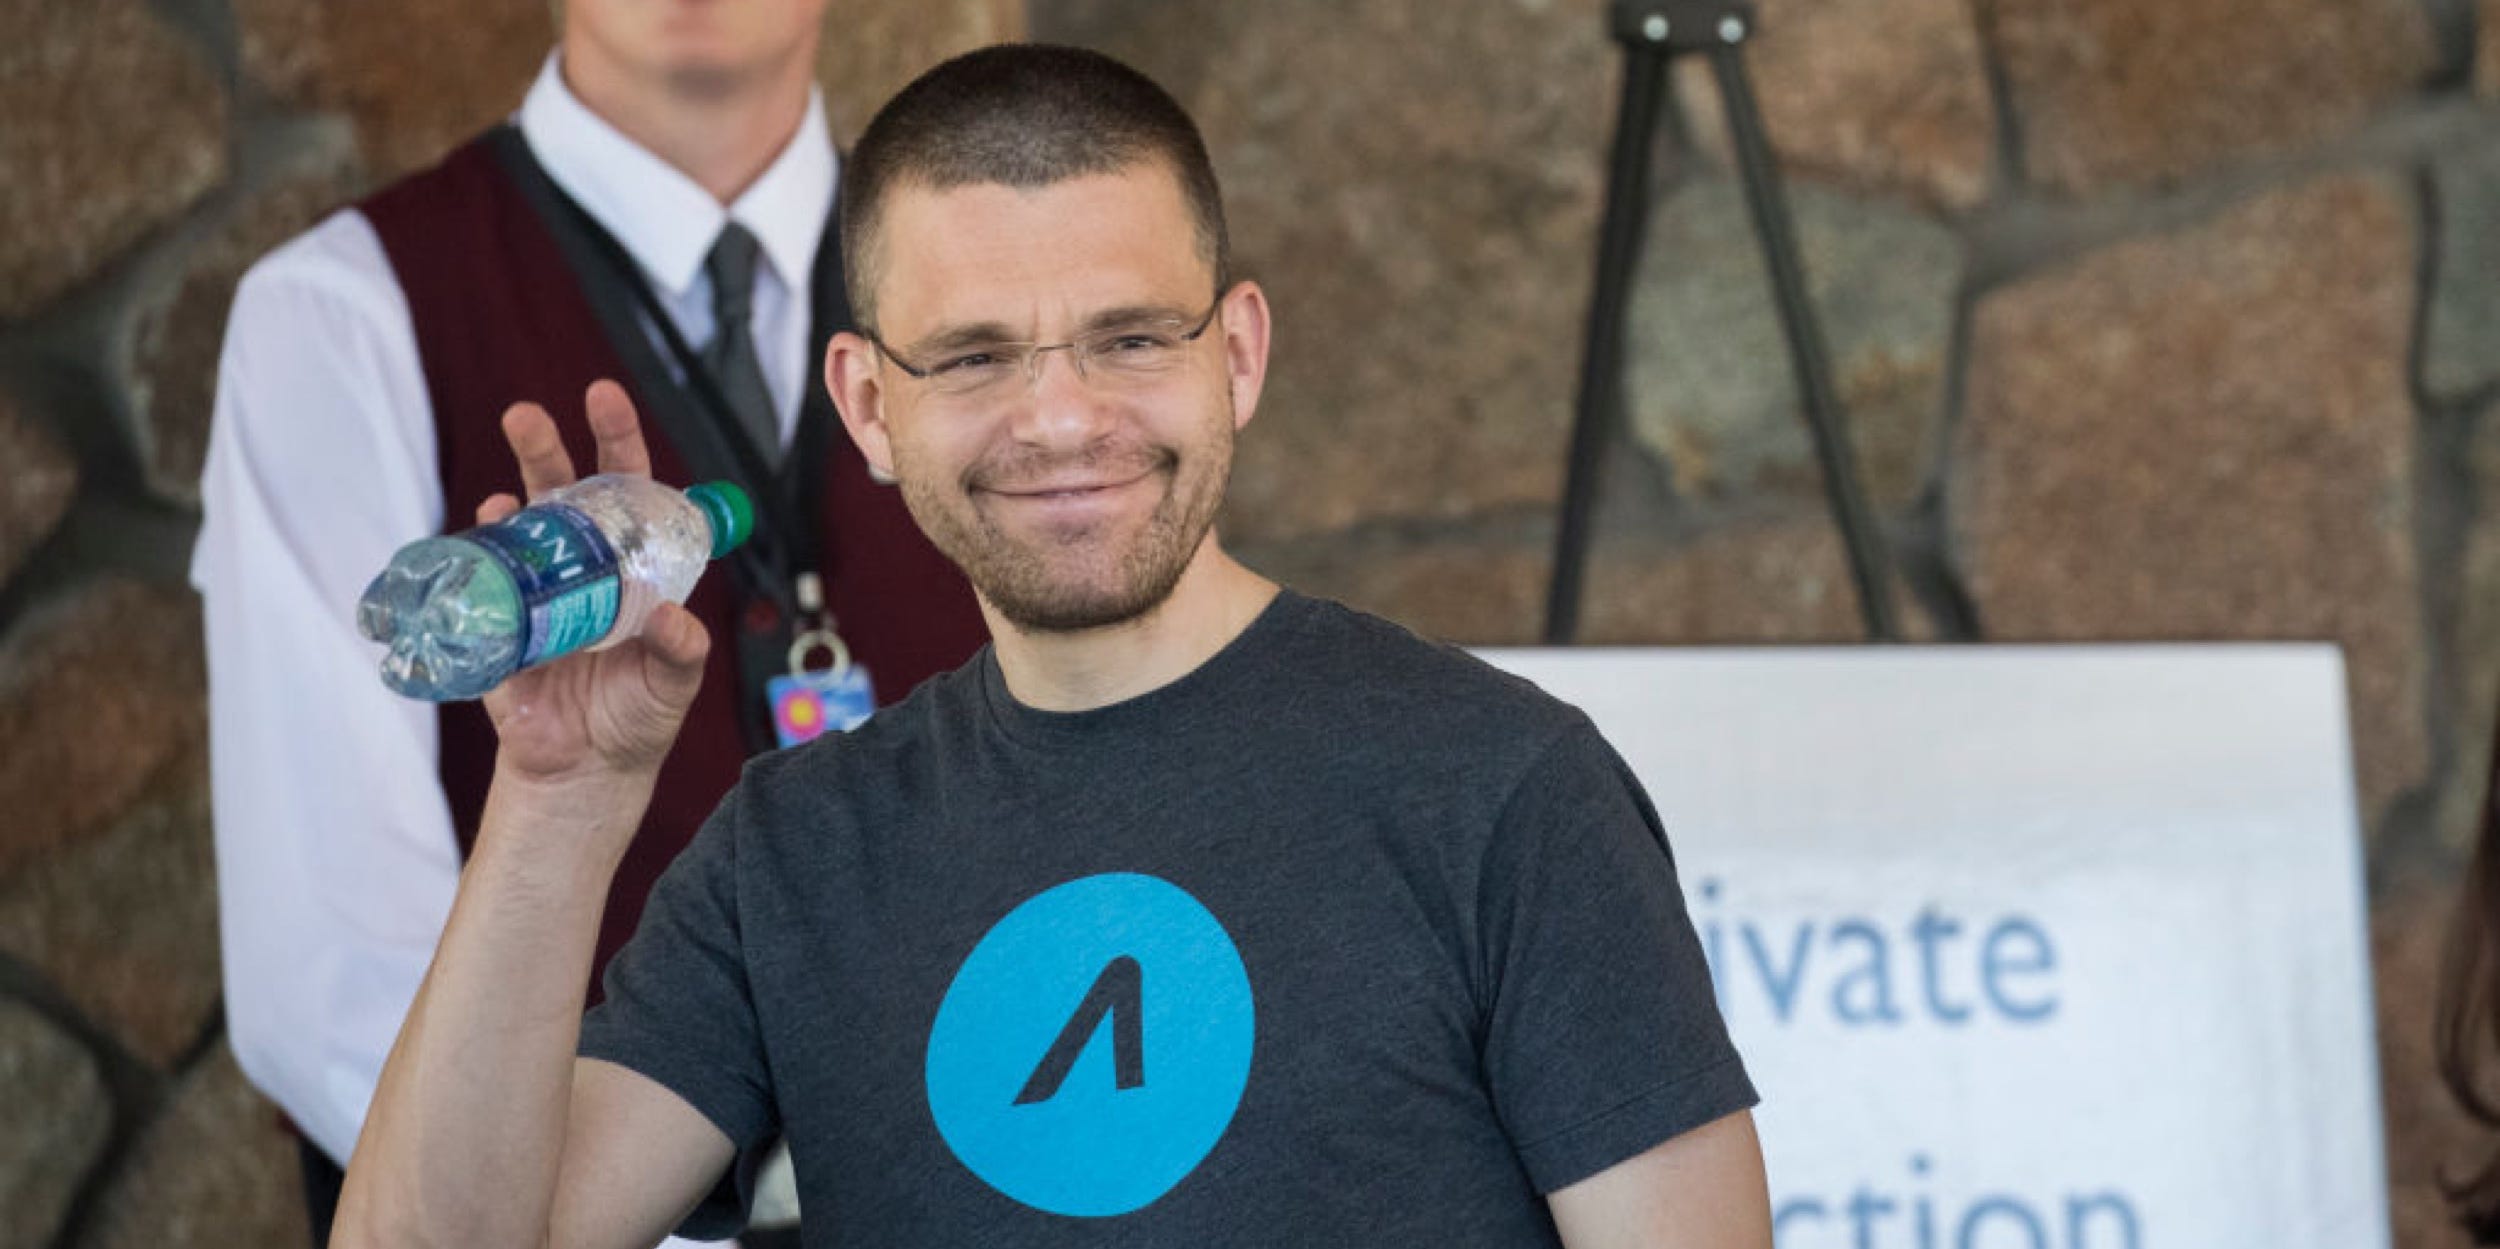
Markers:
607,712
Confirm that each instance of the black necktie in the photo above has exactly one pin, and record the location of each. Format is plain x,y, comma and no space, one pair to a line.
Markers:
730,356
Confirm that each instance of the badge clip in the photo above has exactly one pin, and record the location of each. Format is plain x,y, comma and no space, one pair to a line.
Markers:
808,702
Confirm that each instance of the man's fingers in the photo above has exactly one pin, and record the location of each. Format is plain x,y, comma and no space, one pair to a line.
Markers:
496,507
677,644
544,463
673,631
617,429
539,450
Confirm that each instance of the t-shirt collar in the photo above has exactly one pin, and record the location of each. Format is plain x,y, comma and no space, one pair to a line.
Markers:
664,219
1157,710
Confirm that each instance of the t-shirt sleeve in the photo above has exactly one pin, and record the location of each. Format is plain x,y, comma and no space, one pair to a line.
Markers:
1603,1035
678,1009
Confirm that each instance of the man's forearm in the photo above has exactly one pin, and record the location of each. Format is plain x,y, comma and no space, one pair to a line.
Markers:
466,1134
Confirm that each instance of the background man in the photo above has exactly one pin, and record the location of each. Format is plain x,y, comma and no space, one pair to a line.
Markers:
1194,911
659,212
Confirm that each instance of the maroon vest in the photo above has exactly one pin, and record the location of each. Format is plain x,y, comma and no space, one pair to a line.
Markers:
501,318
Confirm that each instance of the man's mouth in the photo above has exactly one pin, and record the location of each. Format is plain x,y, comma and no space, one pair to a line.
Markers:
1067,489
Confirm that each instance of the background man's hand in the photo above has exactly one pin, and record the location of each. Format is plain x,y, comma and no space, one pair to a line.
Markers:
611,712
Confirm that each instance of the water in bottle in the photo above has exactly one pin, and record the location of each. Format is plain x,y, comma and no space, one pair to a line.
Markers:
582,567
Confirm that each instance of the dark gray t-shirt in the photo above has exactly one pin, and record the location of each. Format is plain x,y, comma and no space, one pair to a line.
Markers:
1343,938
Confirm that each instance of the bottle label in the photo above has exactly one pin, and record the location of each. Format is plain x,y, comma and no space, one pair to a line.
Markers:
566,573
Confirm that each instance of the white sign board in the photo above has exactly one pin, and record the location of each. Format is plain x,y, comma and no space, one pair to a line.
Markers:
2026,948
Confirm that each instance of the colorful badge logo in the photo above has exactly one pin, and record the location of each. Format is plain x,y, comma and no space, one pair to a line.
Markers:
809,705
1093,1047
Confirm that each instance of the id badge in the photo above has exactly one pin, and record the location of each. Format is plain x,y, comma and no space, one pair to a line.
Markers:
811,702
808,705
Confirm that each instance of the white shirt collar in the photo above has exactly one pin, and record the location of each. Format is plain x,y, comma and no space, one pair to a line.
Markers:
664,218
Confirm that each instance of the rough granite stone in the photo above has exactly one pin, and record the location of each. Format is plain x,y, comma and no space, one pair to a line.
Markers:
2487,55
99,691
145,140
177,334
214,1170
1877,94
416,76
2207,435
2462,354
873,47
1780,579
2476,660
2427,1134
124,922
58,1118
37,481
1419,196
1708,381
2132,92
1756,580
1473,593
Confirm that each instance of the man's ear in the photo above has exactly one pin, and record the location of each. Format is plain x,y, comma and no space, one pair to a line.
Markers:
851,377
1245,320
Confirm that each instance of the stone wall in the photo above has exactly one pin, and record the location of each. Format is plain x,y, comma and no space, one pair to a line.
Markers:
2153,320
151,152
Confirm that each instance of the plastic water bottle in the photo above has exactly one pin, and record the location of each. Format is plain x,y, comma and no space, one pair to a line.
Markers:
581,567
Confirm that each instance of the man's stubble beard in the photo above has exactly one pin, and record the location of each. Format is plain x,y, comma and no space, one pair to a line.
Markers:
1018,581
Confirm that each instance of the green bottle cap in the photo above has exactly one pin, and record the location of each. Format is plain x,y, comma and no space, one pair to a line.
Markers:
732,514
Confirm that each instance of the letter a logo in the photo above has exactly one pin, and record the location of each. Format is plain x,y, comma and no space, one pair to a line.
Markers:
1039,1057
1115,993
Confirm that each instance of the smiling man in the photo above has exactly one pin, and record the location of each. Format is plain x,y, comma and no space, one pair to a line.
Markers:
1194,911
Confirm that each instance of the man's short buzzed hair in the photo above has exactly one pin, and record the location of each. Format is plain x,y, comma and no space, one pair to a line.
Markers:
1019,115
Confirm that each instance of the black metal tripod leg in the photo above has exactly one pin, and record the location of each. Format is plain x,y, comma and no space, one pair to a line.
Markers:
1601,364
1869,564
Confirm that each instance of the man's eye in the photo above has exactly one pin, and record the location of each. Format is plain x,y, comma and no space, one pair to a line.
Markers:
1132,343
968,362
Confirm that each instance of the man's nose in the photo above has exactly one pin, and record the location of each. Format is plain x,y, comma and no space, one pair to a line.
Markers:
1059,406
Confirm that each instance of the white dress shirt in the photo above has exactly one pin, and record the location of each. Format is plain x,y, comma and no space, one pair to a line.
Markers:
335,857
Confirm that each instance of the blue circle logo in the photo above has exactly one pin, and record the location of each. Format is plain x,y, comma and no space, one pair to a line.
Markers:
1093,1047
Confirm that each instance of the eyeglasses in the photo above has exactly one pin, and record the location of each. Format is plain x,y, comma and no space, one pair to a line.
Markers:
1117,354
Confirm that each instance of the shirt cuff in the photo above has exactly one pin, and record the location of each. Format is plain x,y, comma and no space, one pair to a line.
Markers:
1633,1126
